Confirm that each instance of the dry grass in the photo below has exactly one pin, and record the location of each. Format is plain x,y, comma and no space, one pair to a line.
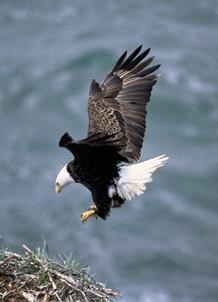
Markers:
35,277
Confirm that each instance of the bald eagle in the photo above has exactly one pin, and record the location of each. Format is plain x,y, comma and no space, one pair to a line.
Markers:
105,161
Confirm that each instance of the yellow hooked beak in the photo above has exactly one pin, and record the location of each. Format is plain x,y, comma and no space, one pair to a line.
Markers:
57,188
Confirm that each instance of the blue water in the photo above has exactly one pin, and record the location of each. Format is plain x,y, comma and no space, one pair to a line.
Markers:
162,247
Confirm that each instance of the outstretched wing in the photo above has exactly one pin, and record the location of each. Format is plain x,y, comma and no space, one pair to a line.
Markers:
118,104
94,147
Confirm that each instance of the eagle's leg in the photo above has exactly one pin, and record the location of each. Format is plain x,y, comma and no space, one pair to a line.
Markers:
90,213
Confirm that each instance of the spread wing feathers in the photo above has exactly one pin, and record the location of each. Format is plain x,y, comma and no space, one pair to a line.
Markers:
118,104
95,146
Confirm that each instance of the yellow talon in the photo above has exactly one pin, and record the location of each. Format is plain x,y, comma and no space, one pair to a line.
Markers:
93,207
90,213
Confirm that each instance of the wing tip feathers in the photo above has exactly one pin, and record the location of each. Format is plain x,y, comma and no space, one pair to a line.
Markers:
65,140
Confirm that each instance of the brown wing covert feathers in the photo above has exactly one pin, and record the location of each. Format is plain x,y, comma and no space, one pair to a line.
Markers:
118,104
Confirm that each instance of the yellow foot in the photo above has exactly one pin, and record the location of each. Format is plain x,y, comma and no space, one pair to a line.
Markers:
90,213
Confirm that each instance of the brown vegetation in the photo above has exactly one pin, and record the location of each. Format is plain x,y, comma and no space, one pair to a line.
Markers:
35,277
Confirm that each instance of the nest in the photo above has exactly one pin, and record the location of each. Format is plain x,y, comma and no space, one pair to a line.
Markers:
34,277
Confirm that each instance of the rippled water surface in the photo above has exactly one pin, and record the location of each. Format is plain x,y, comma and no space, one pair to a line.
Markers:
162,247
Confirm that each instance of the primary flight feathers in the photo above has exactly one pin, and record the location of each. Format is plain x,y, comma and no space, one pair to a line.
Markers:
118,104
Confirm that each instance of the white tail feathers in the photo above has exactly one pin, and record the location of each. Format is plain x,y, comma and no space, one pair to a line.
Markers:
133,178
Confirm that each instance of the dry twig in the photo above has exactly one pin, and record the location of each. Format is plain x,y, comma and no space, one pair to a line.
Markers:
36,277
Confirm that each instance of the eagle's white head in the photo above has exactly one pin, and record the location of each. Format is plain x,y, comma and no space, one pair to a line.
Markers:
63,179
